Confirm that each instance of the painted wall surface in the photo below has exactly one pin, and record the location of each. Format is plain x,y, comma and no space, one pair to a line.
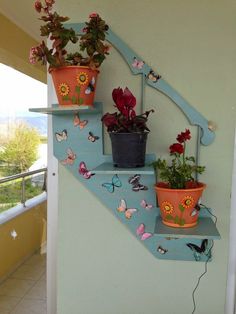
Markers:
30,227
102,269
14,50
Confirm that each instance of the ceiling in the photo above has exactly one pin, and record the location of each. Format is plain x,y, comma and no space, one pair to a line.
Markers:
22,13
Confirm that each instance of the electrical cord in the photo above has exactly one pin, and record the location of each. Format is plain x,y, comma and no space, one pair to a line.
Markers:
205,265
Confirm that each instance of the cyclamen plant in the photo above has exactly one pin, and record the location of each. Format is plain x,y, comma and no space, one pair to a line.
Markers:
92,41
179,174
125,120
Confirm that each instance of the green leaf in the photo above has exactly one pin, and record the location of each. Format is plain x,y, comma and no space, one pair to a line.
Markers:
176,220
66,97
74,99
169,217
182,222
81,101
181,208
77,89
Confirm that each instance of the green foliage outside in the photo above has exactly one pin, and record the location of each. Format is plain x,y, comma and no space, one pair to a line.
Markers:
20,151
10,193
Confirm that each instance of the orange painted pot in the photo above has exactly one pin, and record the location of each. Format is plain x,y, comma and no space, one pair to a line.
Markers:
178,207
75,85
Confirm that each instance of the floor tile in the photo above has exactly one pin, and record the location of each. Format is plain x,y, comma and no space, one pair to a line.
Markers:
27,306
32,272
8,303
43,277
16,287
36,259
38,291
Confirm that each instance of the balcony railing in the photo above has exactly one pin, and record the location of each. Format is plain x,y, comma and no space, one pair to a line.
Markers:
20,187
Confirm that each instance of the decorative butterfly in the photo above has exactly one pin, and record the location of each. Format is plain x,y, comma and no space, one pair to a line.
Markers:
90,87
92,138
140,231
195,211
199,250
161,250
78,122
115,182
123,209
153,77
71,156
138,64
87,174
61,136
14,234
137,186
145,205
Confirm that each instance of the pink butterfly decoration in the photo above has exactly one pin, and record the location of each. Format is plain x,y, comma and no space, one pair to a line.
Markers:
78,122
140,231
87,174
138,64
145,205
71,156
123,208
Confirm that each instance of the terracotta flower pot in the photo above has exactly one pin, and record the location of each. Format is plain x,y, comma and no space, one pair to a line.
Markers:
75,85
178,206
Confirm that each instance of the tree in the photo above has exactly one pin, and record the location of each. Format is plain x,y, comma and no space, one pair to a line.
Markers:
21,150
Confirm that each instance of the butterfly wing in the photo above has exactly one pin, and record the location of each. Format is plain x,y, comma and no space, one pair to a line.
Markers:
161,250
146,235
145,205
82,124
139,187
140,230
122,206
135,179
76,120
135,63
194,247
59,137
116,181
108,186
84,171
129,212
140,64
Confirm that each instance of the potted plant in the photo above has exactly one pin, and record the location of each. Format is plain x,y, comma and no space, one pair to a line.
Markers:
179,193
128,131
74,75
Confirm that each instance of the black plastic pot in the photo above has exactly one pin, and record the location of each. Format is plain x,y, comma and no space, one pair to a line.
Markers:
128,149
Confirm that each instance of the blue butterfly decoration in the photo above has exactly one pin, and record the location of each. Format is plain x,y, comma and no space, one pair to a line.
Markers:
115,182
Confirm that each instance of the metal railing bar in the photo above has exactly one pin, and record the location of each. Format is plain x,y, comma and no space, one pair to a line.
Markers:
22,175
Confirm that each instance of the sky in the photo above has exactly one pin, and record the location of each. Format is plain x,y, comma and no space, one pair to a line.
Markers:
20,92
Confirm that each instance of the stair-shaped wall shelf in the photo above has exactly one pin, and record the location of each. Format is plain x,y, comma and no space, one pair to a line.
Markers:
86,161
78,145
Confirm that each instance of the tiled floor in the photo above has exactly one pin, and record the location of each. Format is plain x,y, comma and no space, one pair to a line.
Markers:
24,292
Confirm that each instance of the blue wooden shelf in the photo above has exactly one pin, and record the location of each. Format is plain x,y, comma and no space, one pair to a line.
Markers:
205,229
108,168
63,110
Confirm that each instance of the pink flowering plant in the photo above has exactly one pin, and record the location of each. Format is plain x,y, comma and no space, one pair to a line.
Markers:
125,120
180,173
92,42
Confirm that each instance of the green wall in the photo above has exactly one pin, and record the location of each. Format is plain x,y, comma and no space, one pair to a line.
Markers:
102,268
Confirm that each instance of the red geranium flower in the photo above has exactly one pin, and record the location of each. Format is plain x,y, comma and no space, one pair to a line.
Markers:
184,136
176,148
93,14
38,6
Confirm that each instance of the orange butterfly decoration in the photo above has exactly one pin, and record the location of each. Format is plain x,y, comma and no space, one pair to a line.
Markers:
80,123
